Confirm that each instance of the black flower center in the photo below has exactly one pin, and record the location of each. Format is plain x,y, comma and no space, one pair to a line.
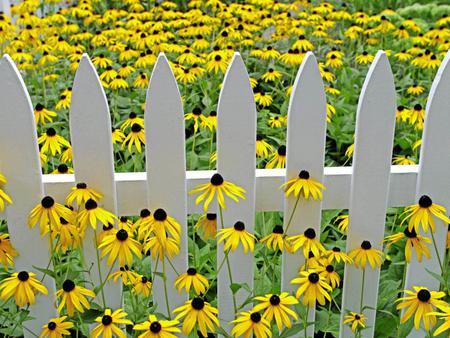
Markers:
366,245
144,280
198,303
106,320
90,204
278,229
211,217
62,168
23,276
216,179
274,300
81,186
51,326
410,234
39,107
145,213
417,107
282,150
313,277
304,174
239,226
330,268
336,249
255,317
425,201
424,295
132,115
51,132
310,233
136,128
123,219
155,327
259,137
47,202
357,317
160,215
63,221
217,58
122,235
196,111
68,285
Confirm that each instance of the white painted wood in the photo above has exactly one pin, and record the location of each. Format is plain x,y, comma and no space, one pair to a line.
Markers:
236,162
374,135
433,178
166,167
5,7
19,162
90,129
132,193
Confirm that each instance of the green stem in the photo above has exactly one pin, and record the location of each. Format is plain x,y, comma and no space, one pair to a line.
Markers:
306,322
362,291
99,267
218,270
274,263
437,252
166,296
292,215
193,149
194,255
172,266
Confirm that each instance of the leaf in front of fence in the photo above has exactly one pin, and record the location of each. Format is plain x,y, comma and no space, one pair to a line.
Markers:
437,277
45,271
405,328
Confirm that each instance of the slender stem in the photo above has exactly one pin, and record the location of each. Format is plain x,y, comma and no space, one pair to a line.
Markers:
437,252
218,270
166,296
292,216
362,291
306,322
194,255
156,268
193,148
274,264
172,266
99,267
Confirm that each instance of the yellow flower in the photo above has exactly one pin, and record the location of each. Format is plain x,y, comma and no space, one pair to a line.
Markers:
127,276
23,286
155,328
313,287
117,136
141,81
304,185
263,99
4,199
271,75
342,223
142,286
356,320
262,147
208,224
200,313
56,328
43,115
73,297
235,235
48,214
7,251
51,142
366,253
107,324
277,307
413,241
336,255
278,158
445,315
70,236
159,250
277,240
415,90
250,324
277,121
364,58
219,188
120,246
92,214
81,194
160,225
308,242
420,303
136,137
402,160
132,119
218,64
189,279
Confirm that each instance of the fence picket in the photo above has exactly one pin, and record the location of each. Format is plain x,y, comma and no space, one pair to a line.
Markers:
166,166
5,7
236,162
19,162
90,128
305,151
374,135
433,178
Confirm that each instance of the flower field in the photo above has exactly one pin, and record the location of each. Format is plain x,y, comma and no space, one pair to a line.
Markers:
46,39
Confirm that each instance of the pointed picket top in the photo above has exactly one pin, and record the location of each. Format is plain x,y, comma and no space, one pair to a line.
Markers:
166,166
19,162
90,129
433,179
236,162
374,134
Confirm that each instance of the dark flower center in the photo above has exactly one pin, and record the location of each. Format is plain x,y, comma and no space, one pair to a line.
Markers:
239,226
310,233
123,219
51,132
191,271
197,111
145,213
330,268
62,168
410,234
136,128
278,229
274,300
336,249
259,137
217,58
39,107
198,303
106,320
304,174
417,107
425,201
108,227
144,280
155,327
400,108
90,204
211,217
68,285
23,276
122,235
424,295
51,326
47,202
81,186
255,317
366,245
63,221
282,150
160,215
357,317
313,277
216,179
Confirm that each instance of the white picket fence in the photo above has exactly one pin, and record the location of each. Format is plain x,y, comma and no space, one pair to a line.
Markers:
366,189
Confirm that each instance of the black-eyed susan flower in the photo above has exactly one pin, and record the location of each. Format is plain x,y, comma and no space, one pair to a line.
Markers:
92,214
313,287
43,115
217,188
120,246
67,235
127,276
125,223
208,225
417,116
81,194
421,215
355,320
336,255
196,116
263,99
136,136
141,81
276,121
402,160
7,251
133,118
52,142
118,83
263,148
277,307
142,286
326,270
415,89
23,286
159,250
108,324
308,241
191,279
63,169
364,58
216,65
235,236
48,214
73,297
161,224
198,312
445,316
366,253
342,223
249,324
421,302
304,185
102,61
277,240
155,328
413,241
277,158
56,328
271,75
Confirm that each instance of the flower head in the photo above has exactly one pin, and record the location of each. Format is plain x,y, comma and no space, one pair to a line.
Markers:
155,328
73,297
56,328
421,215
277,307
23,286
107,326
304,185
251,323
191,278
235,236
313,287
366,253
